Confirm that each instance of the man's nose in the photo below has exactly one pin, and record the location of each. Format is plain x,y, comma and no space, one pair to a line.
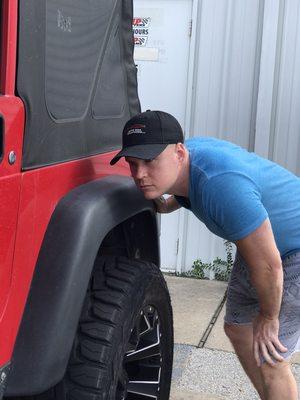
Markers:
140,172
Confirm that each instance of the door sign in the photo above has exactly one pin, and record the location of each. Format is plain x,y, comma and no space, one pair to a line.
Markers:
140,28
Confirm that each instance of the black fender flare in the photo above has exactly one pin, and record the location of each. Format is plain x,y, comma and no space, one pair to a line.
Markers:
76,229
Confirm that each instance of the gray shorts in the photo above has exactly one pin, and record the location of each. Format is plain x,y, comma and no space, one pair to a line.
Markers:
242,302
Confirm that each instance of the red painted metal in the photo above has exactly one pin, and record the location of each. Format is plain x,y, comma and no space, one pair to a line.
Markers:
12,114
41,190
9,29
27,199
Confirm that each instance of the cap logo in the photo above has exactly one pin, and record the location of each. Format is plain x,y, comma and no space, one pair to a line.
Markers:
138,128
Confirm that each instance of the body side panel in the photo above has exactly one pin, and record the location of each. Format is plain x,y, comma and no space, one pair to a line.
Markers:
12,115
68,252
9,29
40,191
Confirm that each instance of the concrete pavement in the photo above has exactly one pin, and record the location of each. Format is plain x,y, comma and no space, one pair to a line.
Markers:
205,366
194,303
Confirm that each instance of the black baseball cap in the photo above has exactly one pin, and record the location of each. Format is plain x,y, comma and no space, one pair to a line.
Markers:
147,134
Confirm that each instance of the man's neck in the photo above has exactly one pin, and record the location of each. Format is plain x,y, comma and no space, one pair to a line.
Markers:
181,187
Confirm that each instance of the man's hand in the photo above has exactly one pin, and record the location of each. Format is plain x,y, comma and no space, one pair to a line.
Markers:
161,205
265,340
165,206
260,252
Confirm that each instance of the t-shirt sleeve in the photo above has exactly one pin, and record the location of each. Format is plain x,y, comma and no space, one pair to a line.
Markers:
233,202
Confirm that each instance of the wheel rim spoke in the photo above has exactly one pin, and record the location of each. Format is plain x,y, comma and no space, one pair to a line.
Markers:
146,389
147,323
143,358
147,352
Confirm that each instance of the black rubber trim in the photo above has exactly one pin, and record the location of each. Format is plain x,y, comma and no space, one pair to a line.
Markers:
77,227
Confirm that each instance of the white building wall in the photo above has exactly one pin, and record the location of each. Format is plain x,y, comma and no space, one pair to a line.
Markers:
244,86
285,131
225,90
225,71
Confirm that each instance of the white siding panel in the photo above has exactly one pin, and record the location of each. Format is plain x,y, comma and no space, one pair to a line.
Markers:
286,135
246,89
201,244
224,96
227,60
268,71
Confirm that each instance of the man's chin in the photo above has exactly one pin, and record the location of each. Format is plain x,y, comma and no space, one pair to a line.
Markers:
149,196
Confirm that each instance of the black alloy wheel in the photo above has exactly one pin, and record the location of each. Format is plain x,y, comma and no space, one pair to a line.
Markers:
141,373
123,349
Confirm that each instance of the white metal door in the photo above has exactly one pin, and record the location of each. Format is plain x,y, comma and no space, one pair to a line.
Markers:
162,31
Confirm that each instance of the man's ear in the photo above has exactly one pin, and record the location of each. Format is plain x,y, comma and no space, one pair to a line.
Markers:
181,151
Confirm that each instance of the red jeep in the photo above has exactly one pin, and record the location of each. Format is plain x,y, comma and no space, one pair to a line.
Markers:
85,311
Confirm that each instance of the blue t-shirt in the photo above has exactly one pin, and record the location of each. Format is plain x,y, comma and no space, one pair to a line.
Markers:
233,191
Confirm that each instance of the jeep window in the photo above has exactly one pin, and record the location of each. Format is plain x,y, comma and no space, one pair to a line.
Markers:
111,81
76,76
75,35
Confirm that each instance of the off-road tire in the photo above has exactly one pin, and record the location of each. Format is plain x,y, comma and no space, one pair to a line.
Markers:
120,291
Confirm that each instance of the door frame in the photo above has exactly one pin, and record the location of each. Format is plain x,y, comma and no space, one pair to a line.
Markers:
190,96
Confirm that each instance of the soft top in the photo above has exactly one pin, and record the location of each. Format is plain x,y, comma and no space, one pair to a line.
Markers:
76,76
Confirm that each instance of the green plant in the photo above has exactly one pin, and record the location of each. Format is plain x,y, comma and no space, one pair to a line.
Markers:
199,268
221,268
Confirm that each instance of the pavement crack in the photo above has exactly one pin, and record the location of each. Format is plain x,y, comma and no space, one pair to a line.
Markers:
212,322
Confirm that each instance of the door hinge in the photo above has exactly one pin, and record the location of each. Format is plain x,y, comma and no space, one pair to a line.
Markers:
191,28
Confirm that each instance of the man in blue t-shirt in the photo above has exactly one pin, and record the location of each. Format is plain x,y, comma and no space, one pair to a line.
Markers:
250,201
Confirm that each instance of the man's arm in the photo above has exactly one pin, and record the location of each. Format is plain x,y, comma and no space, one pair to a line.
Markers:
168,205
260,252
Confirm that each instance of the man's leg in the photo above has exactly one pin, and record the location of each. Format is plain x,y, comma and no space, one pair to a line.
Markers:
241,337
271,382
279,382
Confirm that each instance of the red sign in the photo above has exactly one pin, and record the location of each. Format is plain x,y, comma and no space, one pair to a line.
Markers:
141,22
